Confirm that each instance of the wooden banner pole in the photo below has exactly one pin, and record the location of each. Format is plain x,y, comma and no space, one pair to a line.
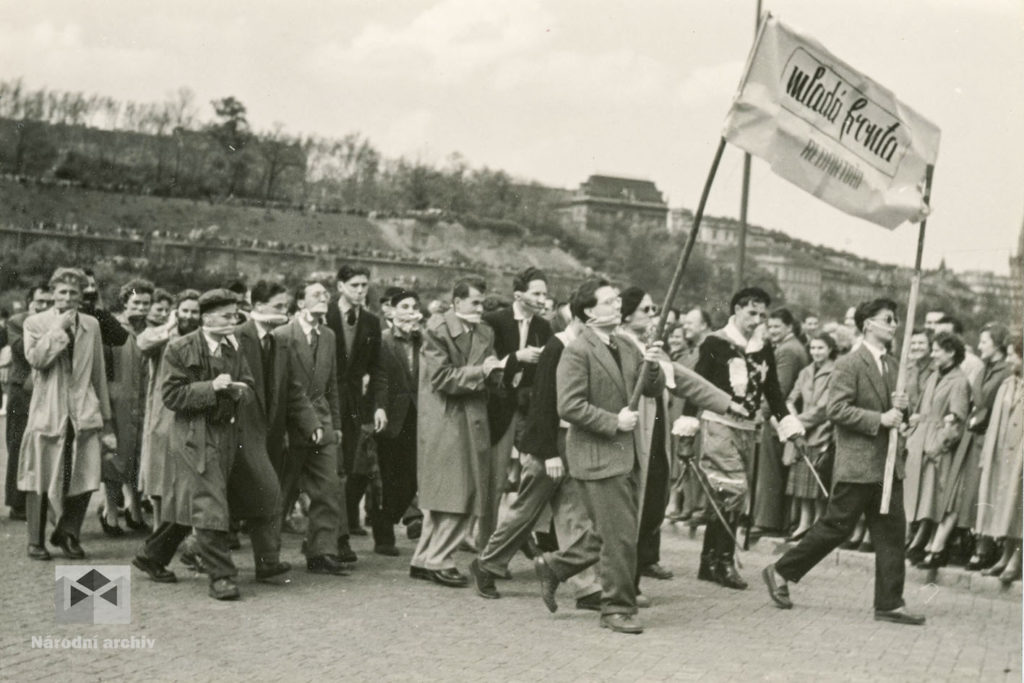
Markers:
908,332
684,258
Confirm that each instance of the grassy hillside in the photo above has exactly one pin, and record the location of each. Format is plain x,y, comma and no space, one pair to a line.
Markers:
24,205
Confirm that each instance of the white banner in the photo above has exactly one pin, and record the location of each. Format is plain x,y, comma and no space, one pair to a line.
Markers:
830,129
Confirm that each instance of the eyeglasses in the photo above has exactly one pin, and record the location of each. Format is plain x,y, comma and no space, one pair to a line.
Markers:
887,320
651,310
610,301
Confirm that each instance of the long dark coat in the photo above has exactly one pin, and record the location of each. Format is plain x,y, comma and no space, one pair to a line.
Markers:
198,494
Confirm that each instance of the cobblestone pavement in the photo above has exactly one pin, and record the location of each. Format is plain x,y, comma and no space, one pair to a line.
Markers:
380,624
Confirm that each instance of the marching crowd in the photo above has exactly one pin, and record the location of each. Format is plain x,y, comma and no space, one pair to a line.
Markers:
206,415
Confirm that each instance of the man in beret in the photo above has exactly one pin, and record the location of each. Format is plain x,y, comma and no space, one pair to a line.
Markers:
204,380
396,396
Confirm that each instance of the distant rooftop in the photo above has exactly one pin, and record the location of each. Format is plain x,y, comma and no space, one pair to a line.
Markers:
627,189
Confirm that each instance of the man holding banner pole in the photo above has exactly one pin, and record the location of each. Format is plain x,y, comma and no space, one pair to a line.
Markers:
846,139
864,410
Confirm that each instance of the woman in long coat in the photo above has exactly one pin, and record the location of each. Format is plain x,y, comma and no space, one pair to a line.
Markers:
1002,467
936,430
808,401
961,500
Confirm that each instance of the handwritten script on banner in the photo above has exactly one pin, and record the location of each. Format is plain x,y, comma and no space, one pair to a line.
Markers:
831,130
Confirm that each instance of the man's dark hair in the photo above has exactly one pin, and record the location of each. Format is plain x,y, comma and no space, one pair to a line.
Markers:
350,270
238,287
186,295
947,319
869,309
263,291
161,294
462,287
134,286
300,291
89,271
521,282
748,295
44,286
785,316
585,297
1000,335
389,292
953,344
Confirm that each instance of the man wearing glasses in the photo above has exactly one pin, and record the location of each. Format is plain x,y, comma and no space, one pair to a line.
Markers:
864,407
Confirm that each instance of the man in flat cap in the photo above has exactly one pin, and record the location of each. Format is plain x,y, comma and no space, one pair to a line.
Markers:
204,379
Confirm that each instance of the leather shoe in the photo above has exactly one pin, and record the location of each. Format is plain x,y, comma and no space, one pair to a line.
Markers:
451,577
483,581
267,571
38,552
68,545
156,571
345,553
590,602
915,556
356,530
900,615
656,571
234,542
726,574
548,583
778,594
866,547
419,573
387,549
642,601
326,564
224,589
622,623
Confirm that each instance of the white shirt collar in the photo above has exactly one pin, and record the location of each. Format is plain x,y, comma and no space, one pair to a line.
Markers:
305,325
213,344
602,335
519,312
876,351
261,330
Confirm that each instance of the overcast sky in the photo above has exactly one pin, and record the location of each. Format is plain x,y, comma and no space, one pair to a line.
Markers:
554,91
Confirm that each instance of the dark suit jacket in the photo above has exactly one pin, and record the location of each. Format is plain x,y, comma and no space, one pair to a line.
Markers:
356,406
857,397
539,437
288,403
20,371
399,384
591,392
317,375
503,404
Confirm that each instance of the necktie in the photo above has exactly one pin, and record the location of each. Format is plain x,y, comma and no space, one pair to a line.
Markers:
614,349
71,341
314,340
351,315
268,363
